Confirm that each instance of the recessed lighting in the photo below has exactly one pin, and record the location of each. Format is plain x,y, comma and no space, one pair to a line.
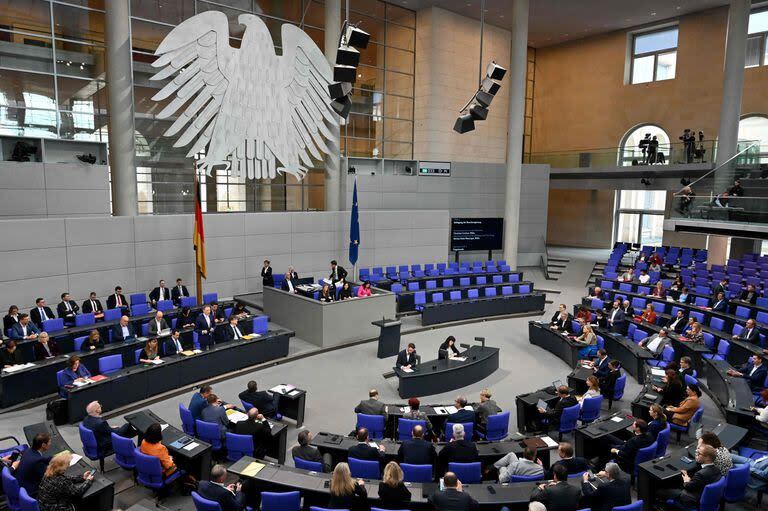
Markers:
501,15
653,14
678,8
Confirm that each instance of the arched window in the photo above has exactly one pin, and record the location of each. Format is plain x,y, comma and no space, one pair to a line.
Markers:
754,128
630,150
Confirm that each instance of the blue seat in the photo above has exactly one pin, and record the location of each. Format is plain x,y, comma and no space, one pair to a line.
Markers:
685,429
188,301
431,284
202,504
27,503
405,427
419,300
364,469
490,292
78,342
137,354
464,281
473,294
314,466
514,277
139,309
260,325
110,364
149,472
60,383
413,286
645,454
618,390
520,479
524,289
455,295
710,497
723,348
691,380
716,324
91,447
210,297
507,291
85,319
667,357
469,429
285,501
238,446
373,423
209,432
568,420
437,298
736,483
467,473
52,325
742,312
396,288
590,409
137,298
416,473
662,441
481,281
164,305
187,421
11,489
497,279
124,451
112,314
497,427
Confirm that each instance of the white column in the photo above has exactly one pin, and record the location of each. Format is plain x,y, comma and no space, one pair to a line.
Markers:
332,166
516,84
121,109
733,84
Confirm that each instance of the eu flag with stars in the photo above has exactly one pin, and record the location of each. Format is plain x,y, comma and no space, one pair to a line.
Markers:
354,229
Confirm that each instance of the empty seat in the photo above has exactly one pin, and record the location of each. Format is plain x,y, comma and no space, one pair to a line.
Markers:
472,293
490,291
506,291
455,295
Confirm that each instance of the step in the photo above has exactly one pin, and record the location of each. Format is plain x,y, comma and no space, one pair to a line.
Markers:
554,272
554,265
559,259
549,291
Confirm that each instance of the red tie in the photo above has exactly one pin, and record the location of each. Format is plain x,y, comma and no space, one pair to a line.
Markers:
119,302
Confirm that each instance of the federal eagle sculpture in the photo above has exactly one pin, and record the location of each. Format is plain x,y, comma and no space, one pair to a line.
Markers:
246,110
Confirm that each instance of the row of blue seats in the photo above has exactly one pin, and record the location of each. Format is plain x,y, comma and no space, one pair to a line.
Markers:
420,298
447,283
403,271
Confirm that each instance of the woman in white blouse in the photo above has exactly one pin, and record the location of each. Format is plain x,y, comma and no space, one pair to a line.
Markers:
593,389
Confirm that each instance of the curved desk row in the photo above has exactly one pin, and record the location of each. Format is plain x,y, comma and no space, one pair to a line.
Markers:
555,342
732,394
387,284
406,299
138,382
435,313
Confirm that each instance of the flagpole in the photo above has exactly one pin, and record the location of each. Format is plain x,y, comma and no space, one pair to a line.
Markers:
198,275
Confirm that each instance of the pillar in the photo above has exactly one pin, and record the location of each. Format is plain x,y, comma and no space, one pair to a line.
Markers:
717,250
516,84
121,109
332,163
733,84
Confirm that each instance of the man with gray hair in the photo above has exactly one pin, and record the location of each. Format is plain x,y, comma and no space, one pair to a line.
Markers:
102,430
463,414
228,496
609,489
459,449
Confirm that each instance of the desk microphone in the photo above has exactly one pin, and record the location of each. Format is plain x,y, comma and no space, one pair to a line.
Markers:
465,346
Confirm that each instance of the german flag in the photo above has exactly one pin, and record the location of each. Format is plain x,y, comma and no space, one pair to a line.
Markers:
198,237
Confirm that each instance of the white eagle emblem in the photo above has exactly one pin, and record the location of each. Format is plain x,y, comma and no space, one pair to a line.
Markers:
249,110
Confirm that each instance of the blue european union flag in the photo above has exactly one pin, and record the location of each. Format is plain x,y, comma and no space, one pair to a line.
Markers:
354,229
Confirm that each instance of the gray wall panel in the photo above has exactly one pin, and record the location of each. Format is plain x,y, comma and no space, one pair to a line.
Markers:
24,292
76,176
267,223
26,175
260,244
23,203
91,231
25,264
85,258
102,282
30,234
76,202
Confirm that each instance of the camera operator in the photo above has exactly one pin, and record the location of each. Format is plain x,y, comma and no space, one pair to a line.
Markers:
643,145
653,150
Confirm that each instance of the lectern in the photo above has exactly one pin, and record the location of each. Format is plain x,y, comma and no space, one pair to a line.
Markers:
389,337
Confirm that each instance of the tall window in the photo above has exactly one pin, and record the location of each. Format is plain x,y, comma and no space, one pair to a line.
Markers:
654,55
754,128
757,33
640,216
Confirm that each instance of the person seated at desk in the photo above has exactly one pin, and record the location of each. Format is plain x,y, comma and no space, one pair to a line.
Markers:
448,349
720,304
305,451
648,315
178,292
93,305
75,372
558,495
267,280
338,273
393,494
686,368
758,471
609,491
216,413
346,493
656,343
749,295
414,413
452,496
173,344
754,371
600,366
257,427
583,315
593,389
678,323
59,491
292,271
627,276
511,465
118,301
364,451
261,399
287,284
689,495
416,450
157,325
67,309
600,320
684,296
92,342
372,405
654,267
185,319
723,461
123,331
40,313
463,414
644,278
659,291
159,293
232,331
10,355
486,408
101,428
364,290
658,421
45,348
149,353
677,284
10,319
561,320
552,415
573,464
586,339
326,295
152,445
672,393
721,287
199,401
346,291
597,292
683,413
617,319
459,449
762,413
693,331
626,452
205,326
229,497
608,382
217,313
627,308
24,329
407,357
749,333
33,463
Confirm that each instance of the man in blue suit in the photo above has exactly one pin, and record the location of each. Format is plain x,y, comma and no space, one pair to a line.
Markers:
199,401
123,331
229,497
204,326
617,320
463,414
24,329
600,366
754,371
33,464
417,451
720,304
101,428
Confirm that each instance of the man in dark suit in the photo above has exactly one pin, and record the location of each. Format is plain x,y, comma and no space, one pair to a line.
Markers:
118,301
750,333
173,344
229,497
558,495
416,450
307,452
67,309
452,498
101,428
720,304
158,324
678,323
459,449
616,318
337,273
92,304
292,272
40,313
553,415
179,292
363,451
573,464
24,329
686,367
561,321
33,463
463,414
560,309
754,371
261,399
627,452
123,331
216,413
407,357
609,490
205,326
289,284
267,279
608,382
722,287
749,295
232,331
690,495
159,293
258,427
372,405
600,366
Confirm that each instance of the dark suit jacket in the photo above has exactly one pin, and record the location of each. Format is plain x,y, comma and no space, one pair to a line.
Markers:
608,383
88,308
608,495
452,500
30,470
117,332
720,306
363,451
340,272
112,301
749,336
459,451
693,489
217,493
266,276
153,326
719,289
628,452
176,295
229,333
101,431
602,368
11,359
41,354
169,347
8,322
17,332
404,358
749,297
680,326
154,295
558,497
619,321
462,416
260,431
200,325
62,312
261,399
284,285
757,379
562,324
307,453
34,315
572,465
417,452
554,414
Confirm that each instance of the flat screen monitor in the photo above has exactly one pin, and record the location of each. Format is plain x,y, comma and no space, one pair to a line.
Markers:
476,234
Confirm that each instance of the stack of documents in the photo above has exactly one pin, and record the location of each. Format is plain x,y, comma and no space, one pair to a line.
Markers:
234,416
283,388
18,367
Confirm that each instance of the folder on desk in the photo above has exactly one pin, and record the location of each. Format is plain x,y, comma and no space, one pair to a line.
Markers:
251,336
234,416
98,377
252,469
187,353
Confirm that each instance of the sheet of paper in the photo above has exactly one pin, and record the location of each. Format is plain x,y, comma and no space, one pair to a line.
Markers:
252,469
283,388
460,359
657,371
406,369
75,459
163,426
440,410
405,409
235,416
549,441
617,419
190,446
451,409
294,393
81,383
374,445
157,361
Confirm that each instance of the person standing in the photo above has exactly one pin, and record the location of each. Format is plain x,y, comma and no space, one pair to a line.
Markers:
338,273
266,275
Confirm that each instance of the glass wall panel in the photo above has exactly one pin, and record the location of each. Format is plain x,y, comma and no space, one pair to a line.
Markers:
78,24
31,16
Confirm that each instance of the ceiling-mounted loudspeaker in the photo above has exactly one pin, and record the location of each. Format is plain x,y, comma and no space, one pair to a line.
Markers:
490,86
342,106
484,98
356,37
478,112
495,71
344,74
464,123
339,89
347,56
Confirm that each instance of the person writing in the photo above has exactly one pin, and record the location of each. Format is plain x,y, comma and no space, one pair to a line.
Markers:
364,290
407,357
149,353
157,325
326,295
75,372
10,355
58,491
448,349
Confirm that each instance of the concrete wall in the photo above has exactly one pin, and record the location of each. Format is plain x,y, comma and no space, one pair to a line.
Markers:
580,218
44,257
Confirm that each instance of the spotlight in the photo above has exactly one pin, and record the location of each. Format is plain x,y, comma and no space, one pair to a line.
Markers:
495,71
348,55
464,123
646,181
339,90
478,112
490,86
345,73
356,37
477,107
342,106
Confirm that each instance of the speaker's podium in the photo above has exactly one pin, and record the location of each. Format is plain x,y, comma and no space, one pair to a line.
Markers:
389,337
